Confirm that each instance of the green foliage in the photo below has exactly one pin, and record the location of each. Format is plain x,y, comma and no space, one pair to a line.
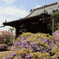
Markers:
56,17
12,30
9,43
56,21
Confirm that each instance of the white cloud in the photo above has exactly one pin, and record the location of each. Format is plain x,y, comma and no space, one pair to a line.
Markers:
11,13
37,6
8,1
4,28
2,19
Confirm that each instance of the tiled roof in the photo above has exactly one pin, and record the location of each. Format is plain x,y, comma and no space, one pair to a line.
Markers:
36,12
48,8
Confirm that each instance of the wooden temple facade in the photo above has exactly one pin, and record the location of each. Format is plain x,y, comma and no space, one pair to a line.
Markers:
39,20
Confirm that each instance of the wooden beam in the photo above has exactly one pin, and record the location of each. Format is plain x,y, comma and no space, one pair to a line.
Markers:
17,32
52,25
44,19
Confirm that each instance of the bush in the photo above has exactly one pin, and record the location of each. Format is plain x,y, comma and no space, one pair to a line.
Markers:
35,46
6,37
56,21
9,43
3,47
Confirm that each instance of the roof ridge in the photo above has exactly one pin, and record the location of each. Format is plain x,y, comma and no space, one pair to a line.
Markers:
57,5
32,10
44,6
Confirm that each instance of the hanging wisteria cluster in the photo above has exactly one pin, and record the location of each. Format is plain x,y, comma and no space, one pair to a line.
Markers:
35,46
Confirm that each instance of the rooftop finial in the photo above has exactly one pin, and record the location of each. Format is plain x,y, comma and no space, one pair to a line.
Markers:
44,6
5,21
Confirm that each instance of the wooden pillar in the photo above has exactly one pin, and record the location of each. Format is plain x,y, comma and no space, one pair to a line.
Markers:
52,25
17,32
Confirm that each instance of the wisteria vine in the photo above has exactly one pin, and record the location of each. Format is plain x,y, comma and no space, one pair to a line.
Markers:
35,46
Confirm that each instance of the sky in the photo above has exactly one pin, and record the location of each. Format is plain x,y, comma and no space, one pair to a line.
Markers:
15,9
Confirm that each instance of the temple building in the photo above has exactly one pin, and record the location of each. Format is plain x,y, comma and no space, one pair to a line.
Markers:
39,20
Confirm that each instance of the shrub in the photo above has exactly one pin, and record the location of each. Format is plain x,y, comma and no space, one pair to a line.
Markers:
56,21
3,47
35,46
6,37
